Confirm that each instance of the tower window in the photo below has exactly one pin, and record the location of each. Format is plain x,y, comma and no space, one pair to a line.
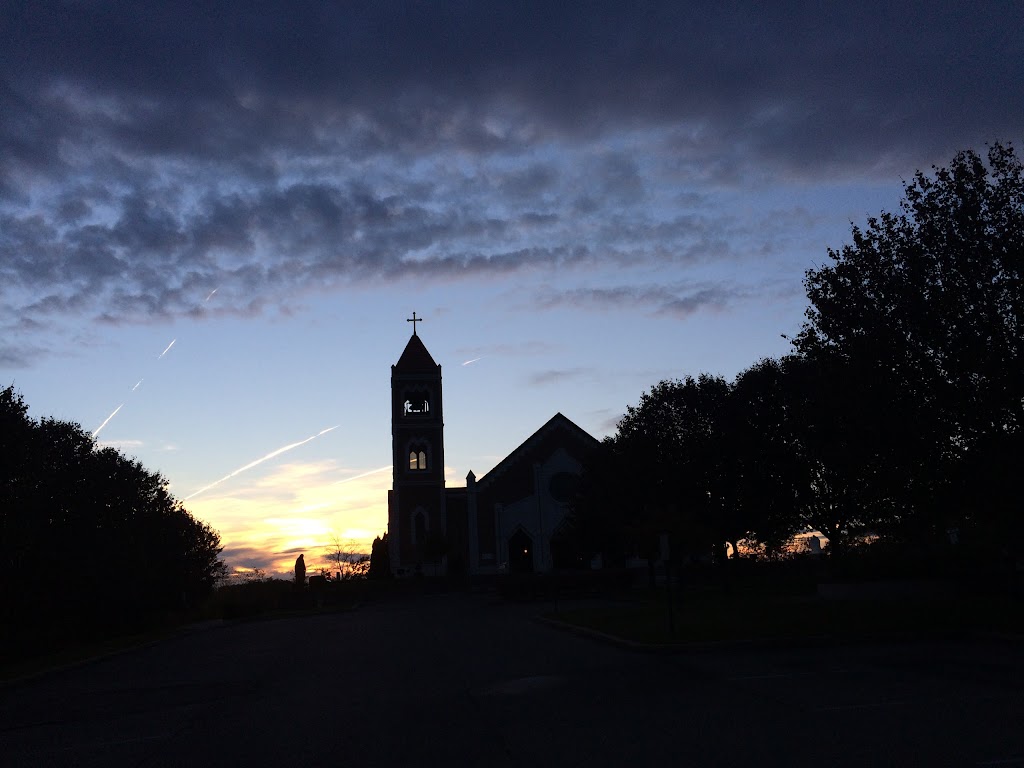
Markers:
416,404
417,459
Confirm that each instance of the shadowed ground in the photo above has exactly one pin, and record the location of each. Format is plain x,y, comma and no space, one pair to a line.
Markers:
456,680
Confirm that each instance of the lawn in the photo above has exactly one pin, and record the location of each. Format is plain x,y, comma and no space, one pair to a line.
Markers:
711,617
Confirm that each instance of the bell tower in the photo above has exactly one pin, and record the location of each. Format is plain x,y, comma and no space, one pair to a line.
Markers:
417,518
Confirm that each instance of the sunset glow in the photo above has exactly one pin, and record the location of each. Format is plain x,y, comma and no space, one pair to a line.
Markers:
296,508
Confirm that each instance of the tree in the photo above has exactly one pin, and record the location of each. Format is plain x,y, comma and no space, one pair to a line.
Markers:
928,304
840,444
770,475
380,559
604,514
669,469
90,541
346,560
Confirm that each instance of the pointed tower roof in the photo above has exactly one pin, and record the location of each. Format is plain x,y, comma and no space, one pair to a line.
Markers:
415,358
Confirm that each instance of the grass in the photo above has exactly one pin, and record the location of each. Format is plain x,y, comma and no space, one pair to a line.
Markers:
29,666
737,617
260,601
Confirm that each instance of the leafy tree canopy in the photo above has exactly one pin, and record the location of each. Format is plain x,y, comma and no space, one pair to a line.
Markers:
899,415
932,296
925,309
90,540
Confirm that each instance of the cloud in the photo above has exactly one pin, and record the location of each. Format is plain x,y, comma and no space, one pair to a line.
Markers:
247,557
150,157
552,376
529,348
677,301
19,355
789,81
121,445
607,420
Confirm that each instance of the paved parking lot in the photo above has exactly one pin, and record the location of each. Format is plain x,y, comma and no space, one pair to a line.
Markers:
458,680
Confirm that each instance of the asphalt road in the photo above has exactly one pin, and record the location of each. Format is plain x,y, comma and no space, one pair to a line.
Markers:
460,681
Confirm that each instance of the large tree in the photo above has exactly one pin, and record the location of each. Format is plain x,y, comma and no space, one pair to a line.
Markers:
771,475
90,541
672,449
925,307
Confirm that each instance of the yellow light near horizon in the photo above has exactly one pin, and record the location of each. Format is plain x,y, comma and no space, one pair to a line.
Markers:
302,528
360,535
296,507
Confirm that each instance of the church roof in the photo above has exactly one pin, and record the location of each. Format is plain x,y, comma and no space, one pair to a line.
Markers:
557,423
415,358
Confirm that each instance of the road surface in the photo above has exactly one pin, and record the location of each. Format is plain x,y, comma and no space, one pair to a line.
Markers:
459,680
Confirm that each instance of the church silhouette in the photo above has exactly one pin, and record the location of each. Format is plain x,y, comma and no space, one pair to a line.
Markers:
511,519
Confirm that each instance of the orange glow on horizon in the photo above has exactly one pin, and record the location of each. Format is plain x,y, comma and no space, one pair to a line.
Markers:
268,520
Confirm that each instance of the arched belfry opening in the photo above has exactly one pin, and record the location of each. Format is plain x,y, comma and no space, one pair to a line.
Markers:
416,403
416,502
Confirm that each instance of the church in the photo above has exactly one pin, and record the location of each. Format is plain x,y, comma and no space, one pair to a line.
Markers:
510,520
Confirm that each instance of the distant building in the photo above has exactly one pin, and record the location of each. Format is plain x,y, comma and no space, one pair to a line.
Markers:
510,519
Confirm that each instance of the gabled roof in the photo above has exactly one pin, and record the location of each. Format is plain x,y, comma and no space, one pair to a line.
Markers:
554,424
415,358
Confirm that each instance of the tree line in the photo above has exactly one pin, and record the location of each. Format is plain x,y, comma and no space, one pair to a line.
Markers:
90,541
895,420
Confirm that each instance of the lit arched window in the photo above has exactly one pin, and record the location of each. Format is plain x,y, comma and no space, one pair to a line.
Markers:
417,459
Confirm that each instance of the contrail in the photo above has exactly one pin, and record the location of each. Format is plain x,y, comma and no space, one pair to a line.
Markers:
365,474
474,359
101,426
269,456
211,294
137,385
166,350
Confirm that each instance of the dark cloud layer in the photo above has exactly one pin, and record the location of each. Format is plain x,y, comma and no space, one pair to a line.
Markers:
793,78
152,152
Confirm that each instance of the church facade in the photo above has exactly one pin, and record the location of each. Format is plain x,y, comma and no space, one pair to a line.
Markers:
511,519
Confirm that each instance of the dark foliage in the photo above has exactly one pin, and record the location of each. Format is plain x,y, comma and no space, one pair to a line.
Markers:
380,559
898,419
923,314
91,542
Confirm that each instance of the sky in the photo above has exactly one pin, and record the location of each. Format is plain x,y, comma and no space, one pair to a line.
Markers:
215,219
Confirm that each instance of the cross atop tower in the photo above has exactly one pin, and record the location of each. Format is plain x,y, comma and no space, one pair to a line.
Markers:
414,320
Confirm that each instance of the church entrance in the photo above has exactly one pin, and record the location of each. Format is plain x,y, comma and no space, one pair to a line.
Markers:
520,552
